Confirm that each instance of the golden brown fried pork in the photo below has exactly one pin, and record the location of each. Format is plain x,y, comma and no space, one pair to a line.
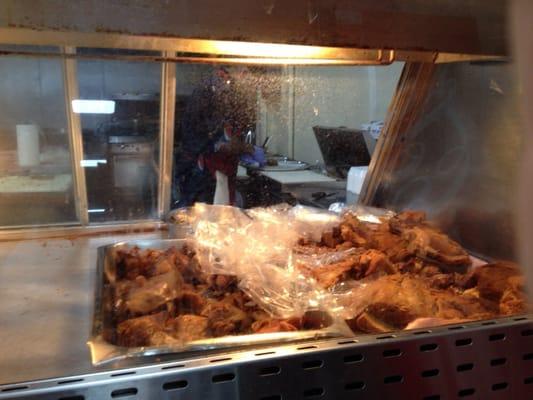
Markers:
430,244
141,331
410,274
272,325
187,328
396,300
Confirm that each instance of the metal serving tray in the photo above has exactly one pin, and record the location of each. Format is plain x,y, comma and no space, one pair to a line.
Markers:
103,351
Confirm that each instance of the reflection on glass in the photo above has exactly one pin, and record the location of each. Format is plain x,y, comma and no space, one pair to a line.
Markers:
119,111
93,106
36,185
266,135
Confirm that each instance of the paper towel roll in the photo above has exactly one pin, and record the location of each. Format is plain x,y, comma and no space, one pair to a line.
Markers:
222,189
28,145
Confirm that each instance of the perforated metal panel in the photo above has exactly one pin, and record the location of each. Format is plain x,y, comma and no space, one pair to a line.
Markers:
483,360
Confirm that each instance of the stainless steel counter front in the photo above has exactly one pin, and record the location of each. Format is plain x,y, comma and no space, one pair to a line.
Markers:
46,300
46,310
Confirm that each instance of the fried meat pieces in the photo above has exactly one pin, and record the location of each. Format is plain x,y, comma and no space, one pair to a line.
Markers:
429,244
411,271
396,300
500,282
356,266
158,330
163,298
402,237
407,273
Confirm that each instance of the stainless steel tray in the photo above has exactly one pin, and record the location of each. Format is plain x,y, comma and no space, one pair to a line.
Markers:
103,351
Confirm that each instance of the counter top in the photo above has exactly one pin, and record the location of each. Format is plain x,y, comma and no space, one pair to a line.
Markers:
28,184
47,294
296,177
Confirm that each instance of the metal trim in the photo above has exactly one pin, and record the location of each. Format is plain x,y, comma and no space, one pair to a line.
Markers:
452,57
62,231
291,122
104,352
210,60
75,137
25,36
232,51
420,56
335,365
166,135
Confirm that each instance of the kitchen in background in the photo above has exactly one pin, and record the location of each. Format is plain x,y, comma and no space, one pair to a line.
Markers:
118,107
121,142
35,164
303,110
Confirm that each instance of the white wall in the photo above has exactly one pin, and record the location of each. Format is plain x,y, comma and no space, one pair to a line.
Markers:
275,113
338,96
104,80
101,79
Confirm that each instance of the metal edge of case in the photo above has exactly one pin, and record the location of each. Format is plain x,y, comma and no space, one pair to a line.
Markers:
491,359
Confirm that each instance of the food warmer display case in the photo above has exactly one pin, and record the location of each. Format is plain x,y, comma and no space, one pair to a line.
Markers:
104,302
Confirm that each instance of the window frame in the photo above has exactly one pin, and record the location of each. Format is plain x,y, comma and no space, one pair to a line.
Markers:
164,167
171,51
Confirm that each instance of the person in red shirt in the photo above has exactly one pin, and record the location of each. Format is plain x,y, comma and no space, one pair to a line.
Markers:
213,125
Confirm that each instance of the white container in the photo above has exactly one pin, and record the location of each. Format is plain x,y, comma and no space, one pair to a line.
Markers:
354,183
28,150
222,189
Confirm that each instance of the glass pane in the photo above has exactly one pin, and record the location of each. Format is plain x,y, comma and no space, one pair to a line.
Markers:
314,123
460,158
119,115
36,185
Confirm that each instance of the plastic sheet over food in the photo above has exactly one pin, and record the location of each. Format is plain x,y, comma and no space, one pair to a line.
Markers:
362,268
260,247
344,299
146,295
256,246
118,294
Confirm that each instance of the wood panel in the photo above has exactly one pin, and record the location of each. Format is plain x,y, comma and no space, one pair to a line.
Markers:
405,107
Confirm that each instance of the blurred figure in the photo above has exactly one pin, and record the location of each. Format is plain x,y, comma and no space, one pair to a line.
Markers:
220,111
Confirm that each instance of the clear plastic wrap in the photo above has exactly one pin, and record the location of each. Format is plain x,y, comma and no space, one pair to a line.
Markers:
257,247
325,271
145,295
292,260
260,247
131,321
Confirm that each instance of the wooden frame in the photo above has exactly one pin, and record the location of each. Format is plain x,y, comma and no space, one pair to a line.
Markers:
405,107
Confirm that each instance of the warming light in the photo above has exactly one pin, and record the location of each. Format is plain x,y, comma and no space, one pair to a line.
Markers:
268,50
93,106
284,61
292,54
